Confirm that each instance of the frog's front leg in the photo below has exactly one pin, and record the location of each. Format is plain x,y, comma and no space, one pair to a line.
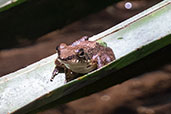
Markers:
70,75
58,69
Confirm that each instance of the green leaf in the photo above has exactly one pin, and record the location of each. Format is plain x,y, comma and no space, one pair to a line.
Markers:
102,43
6,4
30,88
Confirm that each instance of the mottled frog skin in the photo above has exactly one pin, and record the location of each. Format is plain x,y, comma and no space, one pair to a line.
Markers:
81,57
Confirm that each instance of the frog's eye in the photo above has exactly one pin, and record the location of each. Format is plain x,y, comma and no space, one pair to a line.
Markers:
81,52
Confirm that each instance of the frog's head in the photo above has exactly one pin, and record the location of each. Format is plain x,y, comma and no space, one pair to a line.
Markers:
76,57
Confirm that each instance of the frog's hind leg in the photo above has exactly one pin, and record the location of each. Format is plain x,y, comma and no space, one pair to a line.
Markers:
102,60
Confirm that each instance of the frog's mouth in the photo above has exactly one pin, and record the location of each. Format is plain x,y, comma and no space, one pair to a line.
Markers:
80,66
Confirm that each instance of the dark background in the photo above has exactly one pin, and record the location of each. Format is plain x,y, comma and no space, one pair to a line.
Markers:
148,93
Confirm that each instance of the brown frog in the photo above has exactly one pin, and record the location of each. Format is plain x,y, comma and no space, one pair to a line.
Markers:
81,57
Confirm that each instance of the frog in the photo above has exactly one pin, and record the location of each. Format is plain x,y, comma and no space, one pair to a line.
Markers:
81,57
